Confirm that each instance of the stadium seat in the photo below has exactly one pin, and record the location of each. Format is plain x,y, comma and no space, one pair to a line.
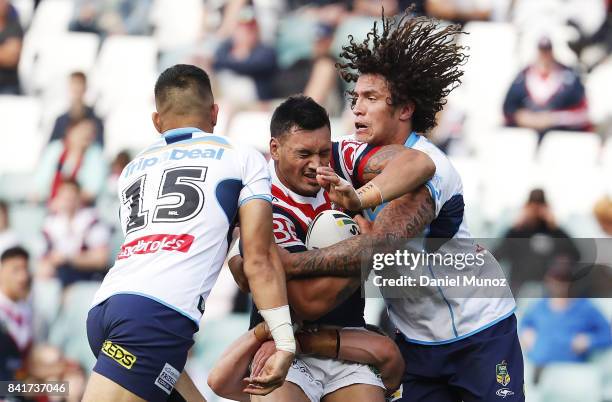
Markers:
598,84
571,383
568,171
358,27
507,156
51,17
296,36
129,128
61,54
177,26
25,9
69,331
491,50
252,129
606,162
19,126
603,361
217,334
125,73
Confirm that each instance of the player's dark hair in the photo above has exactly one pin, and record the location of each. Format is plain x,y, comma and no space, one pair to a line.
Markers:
4,207
13,252
418,58
298,111
186,79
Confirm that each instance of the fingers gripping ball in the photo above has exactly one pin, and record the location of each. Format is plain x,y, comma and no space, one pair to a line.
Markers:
330,227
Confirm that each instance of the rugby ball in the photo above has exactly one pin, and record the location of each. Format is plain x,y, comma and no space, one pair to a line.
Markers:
329,227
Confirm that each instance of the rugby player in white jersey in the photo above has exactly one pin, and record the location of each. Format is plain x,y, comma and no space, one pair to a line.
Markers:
301,143
180,198
456,348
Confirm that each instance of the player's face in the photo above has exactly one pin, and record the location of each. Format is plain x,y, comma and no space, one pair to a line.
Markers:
15,278
298,154
377,121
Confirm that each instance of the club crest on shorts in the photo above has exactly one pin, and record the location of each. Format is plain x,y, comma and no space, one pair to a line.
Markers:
501,373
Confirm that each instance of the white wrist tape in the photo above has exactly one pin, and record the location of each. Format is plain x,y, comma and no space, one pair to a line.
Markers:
234,250
279,322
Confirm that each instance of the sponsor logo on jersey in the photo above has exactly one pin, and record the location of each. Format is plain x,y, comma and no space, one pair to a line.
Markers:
504,392
501,373
174,155
154,243
118,354
167,378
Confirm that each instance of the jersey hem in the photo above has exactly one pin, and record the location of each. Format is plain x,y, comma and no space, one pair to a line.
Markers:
497,320
178,310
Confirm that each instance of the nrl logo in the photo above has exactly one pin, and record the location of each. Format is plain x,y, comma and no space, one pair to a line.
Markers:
504,392
501,373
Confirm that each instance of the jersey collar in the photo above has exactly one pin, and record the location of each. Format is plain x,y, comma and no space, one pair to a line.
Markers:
180,134
412,139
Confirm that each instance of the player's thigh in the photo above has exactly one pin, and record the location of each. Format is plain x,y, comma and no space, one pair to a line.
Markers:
356,393
287,392
101,389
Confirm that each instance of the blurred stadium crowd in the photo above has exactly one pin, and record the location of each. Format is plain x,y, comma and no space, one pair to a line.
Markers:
530,131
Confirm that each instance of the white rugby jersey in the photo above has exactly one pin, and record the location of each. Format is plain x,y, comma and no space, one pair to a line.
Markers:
435,317
179,199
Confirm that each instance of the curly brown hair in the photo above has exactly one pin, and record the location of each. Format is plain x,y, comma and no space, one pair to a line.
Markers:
417,56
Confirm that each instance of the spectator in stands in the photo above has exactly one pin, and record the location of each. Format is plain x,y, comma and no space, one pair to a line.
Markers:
11,38
15,313
330,12
8,238
314,76
245,55
534,241
76,157
121,160
104,17
459,11
77,111
47,363
547,95
562,329
77,241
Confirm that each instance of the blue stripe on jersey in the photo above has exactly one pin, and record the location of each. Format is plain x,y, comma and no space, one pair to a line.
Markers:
256,196
172,138
227,193
336,156
446,224
412,139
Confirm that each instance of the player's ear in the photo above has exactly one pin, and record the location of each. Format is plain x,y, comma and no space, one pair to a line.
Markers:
406,111
157,122
214,114
274,148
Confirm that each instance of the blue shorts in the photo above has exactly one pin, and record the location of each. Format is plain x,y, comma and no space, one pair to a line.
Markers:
140,344
484,367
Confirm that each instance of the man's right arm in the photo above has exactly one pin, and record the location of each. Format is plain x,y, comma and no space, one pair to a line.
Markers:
401,219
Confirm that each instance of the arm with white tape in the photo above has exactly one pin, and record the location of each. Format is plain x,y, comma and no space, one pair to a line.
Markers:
266,278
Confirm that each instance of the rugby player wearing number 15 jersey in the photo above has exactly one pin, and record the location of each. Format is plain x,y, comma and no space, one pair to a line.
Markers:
179,200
